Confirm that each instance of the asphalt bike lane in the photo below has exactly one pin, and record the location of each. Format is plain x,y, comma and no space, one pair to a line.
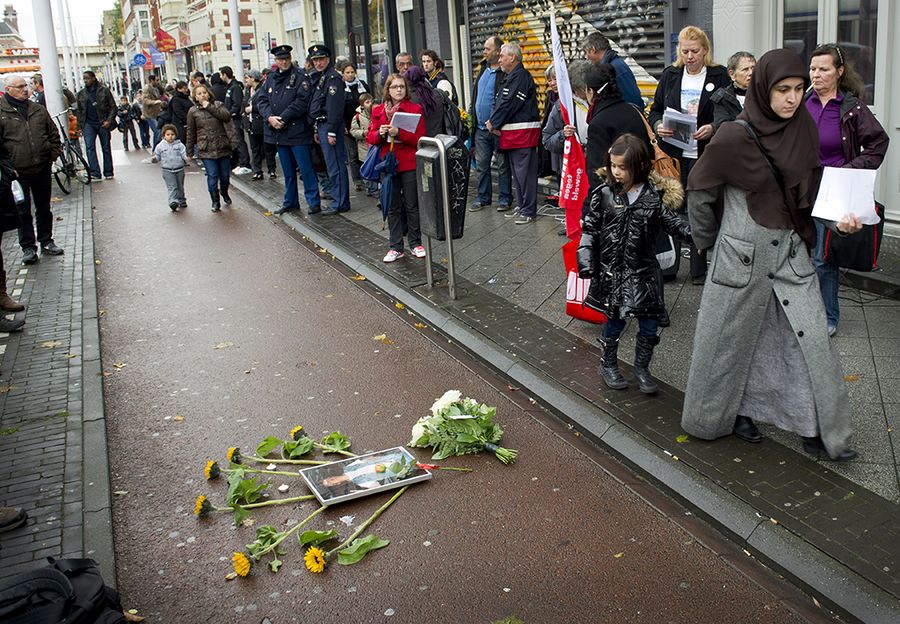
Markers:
218,330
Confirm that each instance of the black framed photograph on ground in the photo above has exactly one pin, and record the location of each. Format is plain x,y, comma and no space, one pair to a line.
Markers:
367,474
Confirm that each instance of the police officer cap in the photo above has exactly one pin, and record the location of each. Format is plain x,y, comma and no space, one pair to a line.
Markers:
282,51
318,51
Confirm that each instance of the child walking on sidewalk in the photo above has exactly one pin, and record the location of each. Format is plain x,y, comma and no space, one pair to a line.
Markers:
618,253
172,158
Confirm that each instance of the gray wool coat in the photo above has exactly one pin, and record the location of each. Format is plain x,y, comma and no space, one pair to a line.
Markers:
749,262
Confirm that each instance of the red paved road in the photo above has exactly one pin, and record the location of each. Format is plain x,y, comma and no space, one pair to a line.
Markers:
553,538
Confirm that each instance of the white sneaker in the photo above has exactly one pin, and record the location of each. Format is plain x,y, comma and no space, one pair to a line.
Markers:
418,251
241,171
393,256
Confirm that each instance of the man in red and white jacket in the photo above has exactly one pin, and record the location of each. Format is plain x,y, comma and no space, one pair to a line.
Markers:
516,120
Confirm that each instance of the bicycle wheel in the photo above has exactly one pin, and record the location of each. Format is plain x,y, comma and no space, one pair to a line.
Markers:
79,167
61,173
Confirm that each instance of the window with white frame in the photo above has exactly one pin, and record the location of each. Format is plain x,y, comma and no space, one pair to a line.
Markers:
849,23
143,20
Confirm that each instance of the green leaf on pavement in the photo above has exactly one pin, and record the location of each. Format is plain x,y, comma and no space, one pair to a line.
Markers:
317,537
359,548
269,444
296,449
682,438
335,442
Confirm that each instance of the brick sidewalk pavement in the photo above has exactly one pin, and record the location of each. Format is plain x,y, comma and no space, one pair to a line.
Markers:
52,402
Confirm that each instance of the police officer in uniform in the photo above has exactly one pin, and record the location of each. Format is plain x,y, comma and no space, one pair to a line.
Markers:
284,106
327,110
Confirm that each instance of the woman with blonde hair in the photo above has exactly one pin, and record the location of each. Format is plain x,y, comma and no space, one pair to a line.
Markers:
687,86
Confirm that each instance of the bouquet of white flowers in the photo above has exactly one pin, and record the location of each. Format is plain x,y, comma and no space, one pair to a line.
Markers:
460,426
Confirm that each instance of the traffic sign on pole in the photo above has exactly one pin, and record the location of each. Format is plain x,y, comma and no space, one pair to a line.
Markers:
139,60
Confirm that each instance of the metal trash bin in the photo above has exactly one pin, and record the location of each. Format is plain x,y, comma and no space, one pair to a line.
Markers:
430,190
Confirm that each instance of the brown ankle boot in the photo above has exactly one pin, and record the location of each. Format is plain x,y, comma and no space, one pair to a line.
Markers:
8,304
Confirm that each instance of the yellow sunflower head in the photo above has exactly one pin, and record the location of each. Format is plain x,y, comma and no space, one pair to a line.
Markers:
202,507
234,455
314,560
241,564
297,433
212,470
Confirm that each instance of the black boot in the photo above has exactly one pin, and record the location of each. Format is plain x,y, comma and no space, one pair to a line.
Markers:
10,326
225,196
643,353
609,364
745,429
814,446
216,206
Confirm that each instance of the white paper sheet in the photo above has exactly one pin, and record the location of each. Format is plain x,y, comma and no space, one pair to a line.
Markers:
844,191
406,121
683,125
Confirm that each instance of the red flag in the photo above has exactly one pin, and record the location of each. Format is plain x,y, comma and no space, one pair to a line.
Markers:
573,186
164,41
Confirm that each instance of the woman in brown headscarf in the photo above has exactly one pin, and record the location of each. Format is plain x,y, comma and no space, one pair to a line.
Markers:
761,349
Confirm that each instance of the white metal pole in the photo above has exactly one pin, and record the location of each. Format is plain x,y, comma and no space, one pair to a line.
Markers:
234,19
77,69
67,59
46,38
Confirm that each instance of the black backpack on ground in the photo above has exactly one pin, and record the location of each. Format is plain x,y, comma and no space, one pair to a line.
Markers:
68,591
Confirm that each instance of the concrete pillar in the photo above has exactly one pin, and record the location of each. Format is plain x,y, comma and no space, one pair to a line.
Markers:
234,19
46,38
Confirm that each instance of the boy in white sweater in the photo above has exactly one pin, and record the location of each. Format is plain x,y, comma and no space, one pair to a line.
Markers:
172,157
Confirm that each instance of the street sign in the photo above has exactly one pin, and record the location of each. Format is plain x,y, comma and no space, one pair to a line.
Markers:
139,60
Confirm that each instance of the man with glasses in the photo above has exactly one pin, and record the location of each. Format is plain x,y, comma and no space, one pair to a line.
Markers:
28,133
95,111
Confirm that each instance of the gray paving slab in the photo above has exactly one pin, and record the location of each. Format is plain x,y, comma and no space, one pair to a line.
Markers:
54,391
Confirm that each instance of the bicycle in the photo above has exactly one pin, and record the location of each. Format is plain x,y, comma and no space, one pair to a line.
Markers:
70,164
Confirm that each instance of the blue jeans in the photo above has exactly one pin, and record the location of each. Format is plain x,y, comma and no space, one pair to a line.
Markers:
91,133
614,327
829,277
218,173
153,124
144,129
486,144
336,163
294,157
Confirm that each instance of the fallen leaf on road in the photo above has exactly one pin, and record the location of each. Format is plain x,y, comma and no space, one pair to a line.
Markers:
231,576
619,555
97,261
512,388
132,616
682,438
851,377
267,213
383,338
223,345
56,200
178,418
119,365
101,312
120,492
59,218
358,278
322,250
399,306
5,389
51,344
247,372
420,326
71,355
332,296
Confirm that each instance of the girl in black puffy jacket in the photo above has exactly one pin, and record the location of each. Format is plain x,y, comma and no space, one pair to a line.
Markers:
618,252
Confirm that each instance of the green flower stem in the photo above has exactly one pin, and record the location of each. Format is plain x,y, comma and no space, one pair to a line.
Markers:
277,501
274,472
263,460
290,531
331,449
452,468
366,524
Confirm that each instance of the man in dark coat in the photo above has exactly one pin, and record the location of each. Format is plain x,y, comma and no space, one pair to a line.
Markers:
218,87
516,120
179,106
95,110
484,94
284,106
234,99
9,211
729,101
28,133
597,49
327,111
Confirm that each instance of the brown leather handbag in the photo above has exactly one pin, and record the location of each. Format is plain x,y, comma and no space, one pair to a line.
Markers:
663,164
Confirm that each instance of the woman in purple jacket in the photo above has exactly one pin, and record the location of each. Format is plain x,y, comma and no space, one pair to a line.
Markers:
849,136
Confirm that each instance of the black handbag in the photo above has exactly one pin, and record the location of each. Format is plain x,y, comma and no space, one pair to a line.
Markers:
858,252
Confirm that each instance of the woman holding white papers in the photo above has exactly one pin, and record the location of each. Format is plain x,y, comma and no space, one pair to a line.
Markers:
761,351
849,136
401,139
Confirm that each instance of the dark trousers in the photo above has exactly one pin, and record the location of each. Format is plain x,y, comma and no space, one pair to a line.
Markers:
486,145
37,189
614,327
218,173
294,158
91,134
259,149
524,165
403,214
353,158
240,157
336,163
698,260
144,129
129,127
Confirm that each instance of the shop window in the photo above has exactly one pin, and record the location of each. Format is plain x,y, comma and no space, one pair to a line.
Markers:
800,25
856,36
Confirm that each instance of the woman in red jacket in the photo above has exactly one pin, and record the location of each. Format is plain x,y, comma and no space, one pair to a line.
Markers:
403,213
